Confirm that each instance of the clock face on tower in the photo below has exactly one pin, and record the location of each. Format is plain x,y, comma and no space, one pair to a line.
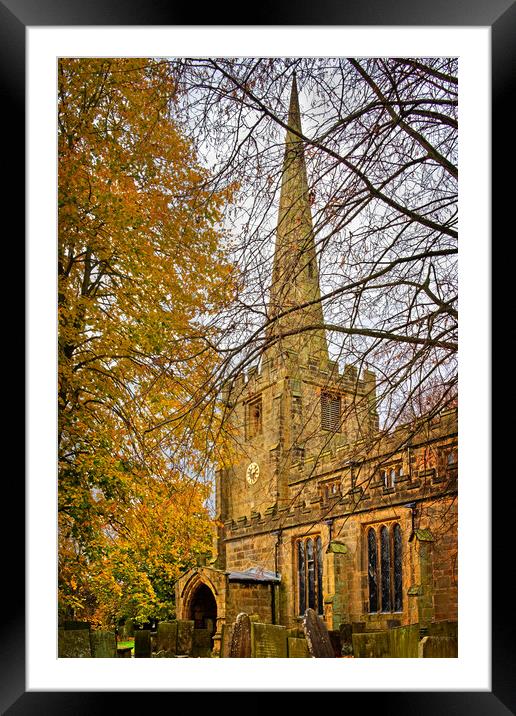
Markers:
253,471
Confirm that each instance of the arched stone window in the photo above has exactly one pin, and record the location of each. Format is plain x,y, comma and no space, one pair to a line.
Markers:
310,574
254,417
385,568
398,573
372,570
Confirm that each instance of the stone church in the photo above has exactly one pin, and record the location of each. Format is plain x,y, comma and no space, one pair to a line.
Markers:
315,505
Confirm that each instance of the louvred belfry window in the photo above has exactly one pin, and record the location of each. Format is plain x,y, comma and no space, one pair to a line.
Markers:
254,418
330,412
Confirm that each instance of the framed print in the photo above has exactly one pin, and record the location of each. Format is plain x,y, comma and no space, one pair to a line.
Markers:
33,36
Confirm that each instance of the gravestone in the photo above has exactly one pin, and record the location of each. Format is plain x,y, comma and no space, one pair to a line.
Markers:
73,644
226,636
268,641
444,628
346,643
201,646
371,645
297,648
75,626
403,642
358,627
317,636
438,647
184,636
142,644
334,635
103,644
241,638
166,639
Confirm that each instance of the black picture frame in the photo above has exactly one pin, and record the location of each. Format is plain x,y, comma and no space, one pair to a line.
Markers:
500,16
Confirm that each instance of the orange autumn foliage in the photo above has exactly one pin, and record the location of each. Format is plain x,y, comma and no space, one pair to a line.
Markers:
141,269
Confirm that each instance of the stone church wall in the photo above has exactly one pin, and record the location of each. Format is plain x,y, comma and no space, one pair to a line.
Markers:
251,598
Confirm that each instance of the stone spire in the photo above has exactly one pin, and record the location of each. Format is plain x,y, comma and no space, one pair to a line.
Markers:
295,276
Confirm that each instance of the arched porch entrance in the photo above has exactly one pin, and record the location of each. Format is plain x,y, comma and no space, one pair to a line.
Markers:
202,611
201,598
203,608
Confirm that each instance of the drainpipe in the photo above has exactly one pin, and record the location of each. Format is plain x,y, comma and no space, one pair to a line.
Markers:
276,552
274,585
273,602
329,522
412,507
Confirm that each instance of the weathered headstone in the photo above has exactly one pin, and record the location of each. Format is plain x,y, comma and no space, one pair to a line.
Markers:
73,644
297,648
103,644
438,647
184,636
346,644
142,644
75,625
226,635
268,641
166,640
317,636
335,642
371,645
444,628
358,627
241,638
403,642
201,646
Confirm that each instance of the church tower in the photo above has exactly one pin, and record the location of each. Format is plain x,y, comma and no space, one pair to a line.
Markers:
285,412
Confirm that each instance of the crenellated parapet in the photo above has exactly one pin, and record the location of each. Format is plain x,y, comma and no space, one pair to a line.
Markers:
401,467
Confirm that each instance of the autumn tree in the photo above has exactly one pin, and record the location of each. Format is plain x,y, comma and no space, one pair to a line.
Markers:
142,271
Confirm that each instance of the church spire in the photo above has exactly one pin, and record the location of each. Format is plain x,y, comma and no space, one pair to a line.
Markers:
295,277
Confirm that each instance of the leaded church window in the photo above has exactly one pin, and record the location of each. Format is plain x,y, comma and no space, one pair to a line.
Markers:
385,568
372,570
398,576
310,574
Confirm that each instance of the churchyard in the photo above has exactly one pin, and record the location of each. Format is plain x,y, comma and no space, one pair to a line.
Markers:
249,638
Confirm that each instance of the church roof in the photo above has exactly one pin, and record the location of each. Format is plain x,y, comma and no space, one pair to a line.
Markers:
254,574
